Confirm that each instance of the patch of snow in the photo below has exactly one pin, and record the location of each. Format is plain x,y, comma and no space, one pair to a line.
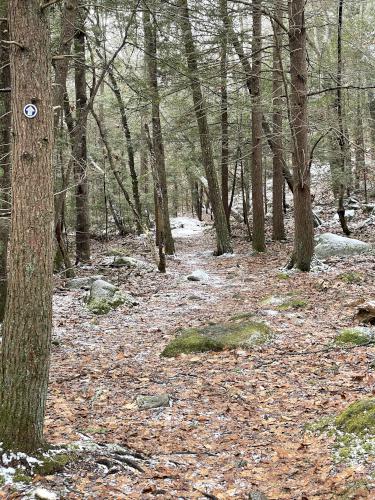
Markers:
183,227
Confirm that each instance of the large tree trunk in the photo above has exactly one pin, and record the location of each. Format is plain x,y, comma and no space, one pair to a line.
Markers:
278,229
222,232
157,137
28,314
5,123
258,240
304,231
80,145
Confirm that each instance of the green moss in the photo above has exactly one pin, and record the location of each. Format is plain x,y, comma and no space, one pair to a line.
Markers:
354,336
293,303
321,425
53,464
351,277
241,316
20,476
217,337
2,480
103,306
283,276
358,418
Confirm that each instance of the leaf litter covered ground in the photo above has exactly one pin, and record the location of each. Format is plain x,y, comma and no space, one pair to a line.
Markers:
237,422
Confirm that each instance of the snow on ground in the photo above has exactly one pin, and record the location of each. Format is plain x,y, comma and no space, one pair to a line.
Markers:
184,227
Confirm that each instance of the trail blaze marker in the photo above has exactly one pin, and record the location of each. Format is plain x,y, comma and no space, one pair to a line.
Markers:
30,111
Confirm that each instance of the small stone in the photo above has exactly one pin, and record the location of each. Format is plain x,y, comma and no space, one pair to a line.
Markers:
44,494
198,275
157,401
257,495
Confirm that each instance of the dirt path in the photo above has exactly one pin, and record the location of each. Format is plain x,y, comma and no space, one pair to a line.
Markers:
237,422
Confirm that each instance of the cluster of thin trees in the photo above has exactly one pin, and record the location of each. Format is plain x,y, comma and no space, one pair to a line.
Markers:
68,73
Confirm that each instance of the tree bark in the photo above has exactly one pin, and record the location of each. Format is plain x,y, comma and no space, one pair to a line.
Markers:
278,229
28,314
342,141
258,240
5,158
223,6
222,232
129,147
303,222
157,136
80,145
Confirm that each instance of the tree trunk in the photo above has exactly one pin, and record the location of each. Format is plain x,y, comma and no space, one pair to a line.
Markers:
28,314
342,141
278,229
258,240
129,147
224,111
222,232
303,222
80,145
360,162
157,137
5,159
248,77
61,67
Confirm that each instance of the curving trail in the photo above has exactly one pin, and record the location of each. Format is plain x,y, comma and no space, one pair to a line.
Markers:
237,422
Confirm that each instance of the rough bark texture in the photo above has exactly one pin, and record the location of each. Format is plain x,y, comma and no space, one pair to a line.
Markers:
304,232
28,314
278,229
157,137
5,159
80,146
258,240
222,232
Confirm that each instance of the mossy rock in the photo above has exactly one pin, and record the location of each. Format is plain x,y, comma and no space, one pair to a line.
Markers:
358,418
218,337
284,302
351,277
21,476
52,464
354,336
103,306
283,276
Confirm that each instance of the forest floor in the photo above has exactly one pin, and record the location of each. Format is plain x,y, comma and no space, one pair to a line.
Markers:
237,423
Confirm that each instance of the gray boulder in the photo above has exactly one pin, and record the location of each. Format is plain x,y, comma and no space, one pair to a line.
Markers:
84,282
131,263
104,296
198,275
149,402
330,245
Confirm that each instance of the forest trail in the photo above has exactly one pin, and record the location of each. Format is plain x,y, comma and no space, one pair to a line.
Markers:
237,420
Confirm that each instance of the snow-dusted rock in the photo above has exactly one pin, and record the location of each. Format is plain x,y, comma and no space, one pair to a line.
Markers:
84,282
157,401
329,245
44,494
198,275
104,296
131,263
